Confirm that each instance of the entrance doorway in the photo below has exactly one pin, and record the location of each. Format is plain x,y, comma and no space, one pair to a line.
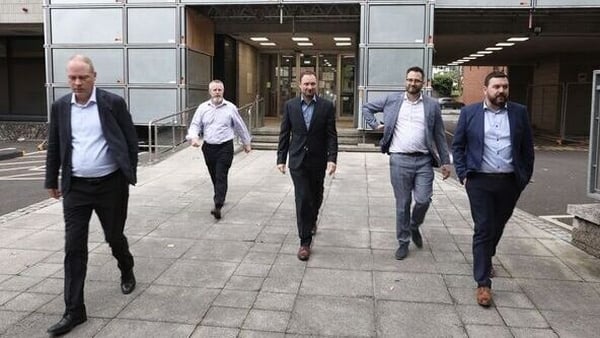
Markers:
335,74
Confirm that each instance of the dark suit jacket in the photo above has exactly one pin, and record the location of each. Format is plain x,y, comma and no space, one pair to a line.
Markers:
117,127
468,141
434,131
313,147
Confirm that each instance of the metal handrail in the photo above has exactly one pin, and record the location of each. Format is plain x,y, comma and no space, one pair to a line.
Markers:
180,119
252,114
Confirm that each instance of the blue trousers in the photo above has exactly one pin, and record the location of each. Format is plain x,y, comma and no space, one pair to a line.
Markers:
412,178
492,198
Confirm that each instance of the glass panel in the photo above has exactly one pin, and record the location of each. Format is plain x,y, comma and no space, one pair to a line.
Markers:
347,85
196,96
396,24
388,66
162,29
145,1
107,62
288,85
327,77
142,66
148,104
199,68
83,1
101,25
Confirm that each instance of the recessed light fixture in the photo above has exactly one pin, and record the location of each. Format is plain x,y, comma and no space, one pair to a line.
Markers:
505,44
300,38
476,55
268,44
304,43
484,52
259,38
341,38
494,48
342,44
307,62
469,58
518,39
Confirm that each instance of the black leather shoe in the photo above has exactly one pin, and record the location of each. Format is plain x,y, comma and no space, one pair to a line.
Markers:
216,212
66,324
416,238
127,282
402,252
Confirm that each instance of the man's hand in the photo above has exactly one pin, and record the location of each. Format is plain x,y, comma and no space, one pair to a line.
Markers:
446,171
331,168
281,168
195,142
247,148
54,193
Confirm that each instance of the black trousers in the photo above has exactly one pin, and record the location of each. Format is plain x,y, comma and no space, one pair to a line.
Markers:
108,197
492,198
218,158
308,190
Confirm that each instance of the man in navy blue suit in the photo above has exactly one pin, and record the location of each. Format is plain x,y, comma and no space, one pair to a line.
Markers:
493,157
92,140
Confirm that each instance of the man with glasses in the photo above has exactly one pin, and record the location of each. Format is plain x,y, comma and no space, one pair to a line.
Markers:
412,124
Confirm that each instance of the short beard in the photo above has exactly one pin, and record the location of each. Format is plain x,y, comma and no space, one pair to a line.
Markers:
216,100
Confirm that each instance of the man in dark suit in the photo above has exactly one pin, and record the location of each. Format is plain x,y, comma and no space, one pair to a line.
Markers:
309,135
412,132
493,157
92,139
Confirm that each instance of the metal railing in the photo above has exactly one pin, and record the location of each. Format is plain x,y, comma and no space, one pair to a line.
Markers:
168,132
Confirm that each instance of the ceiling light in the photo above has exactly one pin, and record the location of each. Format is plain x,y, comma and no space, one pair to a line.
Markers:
341,44
494,48
268,44
505,44
484,52
469,58
476,55
307,62
300,38
259,38
340,38
518,39
304,43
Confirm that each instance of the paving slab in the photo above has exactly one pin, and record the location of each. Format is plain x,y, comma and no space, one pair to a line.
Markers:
239,276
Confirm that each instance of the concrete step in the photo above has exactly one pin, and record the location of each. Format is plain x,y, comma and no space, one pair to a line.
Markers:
365,148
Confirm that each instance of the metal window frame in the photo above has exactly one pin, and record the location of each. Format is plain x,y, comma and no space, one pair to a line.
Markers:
593,189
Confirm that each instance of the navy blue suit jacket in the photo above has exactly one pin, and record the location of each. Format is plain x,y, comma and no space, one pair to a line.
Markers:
118,130
313,147
467,147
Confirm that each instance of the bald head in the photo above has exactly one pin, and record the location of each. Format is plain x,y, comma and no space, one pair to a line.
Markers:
82,77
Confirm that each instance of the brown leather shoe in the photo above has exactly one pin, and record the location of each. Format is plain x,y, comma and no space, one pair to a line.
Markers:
484,296
304,253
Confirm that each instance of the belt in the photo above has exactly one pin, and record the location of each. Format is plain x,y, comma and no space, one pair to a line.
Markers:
218,144
494,175
95,180
414,154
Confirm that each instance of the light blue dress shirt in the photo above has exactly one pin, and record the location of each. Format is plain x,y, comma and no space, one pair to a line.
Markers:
497,148
308,110
90,156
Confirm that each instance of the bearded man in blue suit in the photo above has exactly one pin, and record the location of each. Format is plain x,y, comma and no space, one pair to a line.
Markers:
493,156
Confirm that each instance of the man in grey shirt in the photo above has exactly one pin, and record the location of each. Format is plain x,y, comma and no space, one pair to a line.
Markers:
217,121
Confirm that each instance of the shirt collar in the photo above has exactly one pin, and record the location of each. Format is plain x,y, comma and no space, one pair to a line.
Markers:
418,100
499,111
92,99
314,99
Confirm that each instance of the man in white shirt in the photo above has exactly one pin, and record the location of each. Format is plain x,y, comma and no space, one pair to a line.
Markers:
412,125
217,121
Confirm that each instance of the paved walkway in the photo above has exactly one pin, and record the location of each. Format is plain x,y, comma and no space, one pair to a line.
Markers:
240,277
